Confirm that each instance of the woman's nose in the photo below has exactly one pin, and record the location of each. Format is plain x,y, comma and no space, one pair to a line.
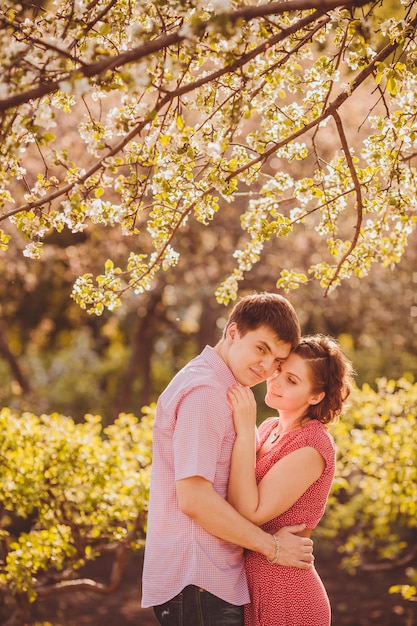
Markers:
274,377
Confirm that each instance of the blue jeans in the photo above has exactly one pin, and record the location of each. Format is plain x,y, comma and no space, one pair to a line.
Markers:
196,607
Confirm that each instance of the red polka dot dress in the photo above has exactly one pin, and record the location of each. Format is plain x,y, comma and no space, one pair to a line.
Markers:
288,596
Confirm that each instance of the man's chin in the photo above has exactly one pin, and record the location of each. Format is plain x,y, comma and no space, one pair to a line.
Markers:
256,380
250,380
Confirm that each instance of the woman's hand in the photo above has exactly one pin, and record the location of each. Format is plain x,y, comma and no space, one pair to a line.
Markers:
243,405
242,488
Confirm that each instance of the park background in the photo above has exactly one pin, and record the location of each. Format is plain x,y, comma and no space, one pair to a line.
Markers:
74,482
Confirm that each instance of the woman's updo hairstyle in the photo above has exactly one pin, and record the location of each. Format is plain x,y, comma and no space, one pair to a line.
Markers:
330,371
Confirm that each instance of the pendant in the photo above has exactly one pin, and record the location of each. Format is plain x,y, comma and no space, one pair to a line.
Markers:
274,437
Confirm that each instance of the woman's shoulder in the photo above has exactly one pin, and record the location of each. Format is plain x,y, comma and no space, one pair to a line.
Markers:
317,435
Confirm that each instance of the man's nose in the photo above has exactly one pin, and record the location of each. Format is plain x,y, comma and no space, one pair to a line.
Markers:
270,366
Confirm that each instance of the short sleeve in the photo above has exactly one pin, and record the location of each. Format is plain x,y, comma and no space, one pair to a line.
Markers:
203,432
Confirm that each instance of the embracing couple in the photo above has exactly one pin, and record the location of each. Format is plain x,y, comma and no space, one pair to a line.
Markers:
232,506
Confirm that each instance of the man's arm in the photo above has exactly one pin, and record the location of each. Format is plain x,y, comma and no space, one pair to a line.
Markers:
198,500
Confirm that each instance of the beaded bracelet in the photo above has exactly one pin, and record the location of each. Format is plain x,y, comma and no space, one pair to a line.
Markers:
276,555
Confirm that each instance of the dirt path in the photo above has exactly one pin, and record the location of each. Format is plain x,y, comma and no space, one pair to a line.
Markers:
362,600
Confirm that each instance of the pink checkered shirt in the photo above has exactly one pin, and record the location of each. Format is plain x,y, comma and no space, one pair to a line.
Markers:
193,436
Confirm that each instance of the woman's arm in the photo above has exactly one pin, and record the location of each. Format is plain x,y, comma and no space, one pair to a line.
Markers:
285,482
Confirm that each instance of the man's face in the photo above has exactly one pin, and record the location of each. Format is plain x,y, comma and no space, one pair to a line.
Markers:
255,356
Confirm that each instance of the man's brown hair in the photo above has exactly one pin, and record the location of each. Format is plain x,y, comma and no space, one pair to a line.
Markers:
267,309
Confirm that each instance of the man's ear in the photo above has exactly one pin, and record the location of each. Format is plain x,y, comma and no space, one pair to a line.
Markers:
317,398
232,331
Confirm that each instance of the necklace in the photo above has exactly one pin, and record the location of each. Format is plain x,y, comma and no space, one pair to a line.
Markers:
275,436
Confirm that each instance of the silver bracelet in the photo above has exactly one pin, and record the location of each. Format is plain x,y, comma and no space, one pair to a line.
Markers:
276,555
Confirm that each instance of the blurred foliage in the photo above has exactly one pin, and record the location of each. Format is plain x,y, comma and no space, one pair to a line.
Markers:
54,357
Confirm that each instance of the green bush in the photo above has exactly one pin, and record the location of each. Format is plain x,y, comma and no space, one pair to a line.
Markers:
372,511
70,493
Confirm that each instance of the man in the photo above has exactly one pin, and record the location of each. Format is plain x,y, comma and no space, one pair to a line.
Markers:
194,570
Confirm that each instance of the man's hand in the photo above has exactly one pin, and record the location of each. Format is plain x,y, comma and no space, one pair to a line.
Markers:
295,551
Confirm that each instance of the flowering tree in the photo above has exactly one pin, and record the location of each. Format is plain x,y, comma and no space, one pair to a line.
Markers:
141,116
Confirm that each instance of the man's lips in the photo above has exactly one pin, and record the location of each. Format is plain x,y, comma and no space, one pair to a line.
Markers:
256,374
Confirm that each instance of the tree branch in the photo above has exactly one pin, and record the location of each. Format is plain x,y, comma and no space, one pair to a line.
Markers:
13,363
333,106
88,584
169,97
164,41
387,566
167,40
359,203
100,15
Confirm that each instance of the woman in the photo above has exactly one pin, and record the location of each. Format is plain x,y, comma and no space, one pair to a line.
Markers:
282,474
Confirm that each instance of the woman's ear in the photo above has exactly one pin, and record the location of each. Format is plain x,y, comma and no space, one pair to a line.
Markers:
317,398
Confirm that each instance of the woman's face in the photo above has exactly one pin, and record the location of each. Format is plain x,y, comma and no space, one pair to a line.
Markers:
290,389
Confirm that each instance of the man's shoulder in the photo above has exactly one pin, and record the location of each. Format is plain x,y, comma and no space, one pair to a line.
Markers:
195,374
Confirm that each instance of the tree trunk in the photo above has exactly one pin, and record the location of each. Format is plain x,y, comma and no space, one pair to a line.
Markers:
208,333
13,363
140,360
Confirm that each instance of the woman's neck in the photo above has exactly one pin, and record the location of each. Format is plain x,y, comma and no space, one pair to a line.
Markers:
288,421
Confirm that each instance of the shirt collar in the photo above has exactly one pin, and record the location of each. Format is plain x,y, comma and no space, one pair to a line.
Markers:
223,372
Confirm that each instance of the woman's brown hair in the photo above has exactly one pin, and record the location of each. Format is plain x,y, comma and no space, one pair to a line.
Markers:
330,371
